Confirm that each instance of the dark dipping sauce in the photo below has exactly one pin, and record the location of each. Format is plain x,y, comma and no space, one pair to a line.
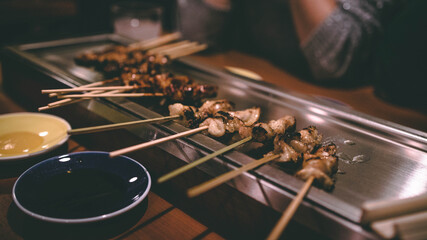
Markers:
81,193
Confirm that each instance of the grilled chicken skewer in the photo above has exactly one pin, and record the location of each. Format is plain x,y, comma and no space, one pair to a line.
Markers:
121,59
174,88
248,131
118,59
192,116
287,148
318,166
209,107
158,141
120,53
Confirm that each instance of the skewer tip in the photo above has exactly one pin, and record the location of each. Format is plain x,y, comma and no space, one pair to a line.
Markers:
191,193
41,109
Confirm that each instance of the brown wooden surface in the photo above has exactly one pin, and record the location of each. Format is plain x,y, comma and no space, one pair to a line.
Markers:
159,219
361,99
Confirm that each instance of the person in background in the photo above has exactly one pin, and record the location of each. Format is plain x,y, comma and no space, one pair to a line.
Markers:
328,42
338,38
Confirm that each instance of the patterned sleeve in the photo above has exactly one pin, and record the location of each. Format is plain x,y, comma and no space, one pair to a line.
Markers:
344,42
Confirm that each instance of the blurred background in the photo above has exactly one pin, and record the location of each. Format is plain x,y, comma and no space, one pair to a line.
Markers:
38,20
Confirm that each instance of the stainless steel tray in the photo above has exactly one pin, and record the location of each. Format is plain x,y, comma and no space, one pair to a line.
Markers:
378,159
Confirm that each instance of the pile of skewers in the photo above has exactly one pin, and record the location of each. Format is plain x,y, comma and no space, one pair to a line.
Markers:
137,70
317,163
140,68
303,149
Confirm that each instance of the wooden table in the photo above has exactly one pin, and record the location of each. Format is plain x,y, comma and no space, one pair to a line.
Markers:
156,218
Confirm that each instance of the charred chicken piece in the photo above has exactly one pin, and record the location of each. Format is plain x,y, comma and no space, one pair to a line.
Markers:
100,59
249,116
216,126
322,164
188,114
263,132
175,88
225,123
211,107
291,146
118,59
306,140
193,116
86,59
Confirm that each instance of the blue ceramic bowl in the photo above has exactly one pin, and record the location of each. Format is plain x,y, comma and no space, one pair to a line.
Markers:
81,187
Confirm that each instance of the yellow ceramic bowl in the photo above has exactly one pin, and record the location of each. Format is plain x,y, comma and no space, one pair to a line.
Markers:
24,135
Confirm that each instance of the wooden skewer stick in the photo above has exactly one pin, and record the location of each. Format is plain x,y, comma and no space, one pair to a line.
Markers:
191,165
63,101
112,95
167,47
152,43
68,101
186,52
118,125
290,211
94,84
146,42
182,47
157,141
201,188
81,89
71,100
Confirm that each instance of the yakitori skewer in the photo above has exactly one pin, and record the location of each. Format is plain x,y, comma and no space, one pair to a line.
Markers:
287,148
190,114
125,59
114,60
145,78
118,53
250,130
174,88
319,167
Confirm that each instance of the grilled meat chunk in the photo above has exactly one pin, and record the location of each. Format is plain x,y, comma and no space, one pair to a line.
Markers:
322,164
263,132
